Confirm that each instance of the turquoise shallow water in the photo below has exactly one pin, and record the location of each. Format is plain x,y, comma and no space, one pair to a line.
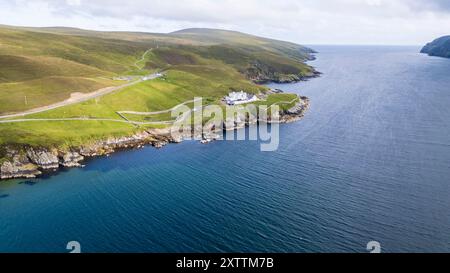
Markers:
370,161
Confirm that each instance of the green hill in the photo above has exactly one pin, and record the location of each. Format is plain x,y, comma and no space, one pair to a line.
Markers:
31,58
42,66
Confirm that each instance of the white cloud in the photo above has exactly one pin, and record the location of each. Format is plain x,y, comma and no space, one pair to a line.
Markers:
302,21
73,2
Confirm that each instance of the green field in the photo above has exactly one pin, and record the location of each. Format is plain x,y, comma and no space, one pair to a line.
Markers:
21,96
39,67
57,133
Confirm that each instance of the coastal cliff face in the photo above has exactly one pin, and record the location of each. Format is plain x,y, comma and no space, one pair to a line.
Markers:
19,166
439,47
261,73
295,113
30,162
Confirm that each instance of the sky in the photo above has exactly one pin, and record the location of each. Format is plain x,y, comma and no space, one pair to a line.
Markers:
374,22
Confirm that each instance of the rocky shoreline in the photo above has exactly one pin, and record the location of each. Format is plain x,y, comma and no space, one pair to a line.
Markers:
31,162
261,77
261,73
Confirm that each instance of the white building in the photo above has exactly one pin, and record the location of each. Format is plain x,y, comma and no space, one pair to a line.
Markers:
235,98
152,76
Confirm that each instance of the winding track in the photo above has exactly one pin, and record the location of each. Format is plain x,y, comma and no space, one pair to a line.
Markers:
123,120
142,59
157,112
93,95
87,119
96,94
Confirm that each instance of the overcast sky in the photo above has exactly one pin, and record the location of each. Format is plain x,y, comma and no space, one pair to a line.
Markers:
302,21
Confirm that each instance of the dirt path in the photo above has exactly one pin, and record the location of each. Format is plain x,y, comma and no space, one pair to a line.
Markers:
79,98
123,120
157,112
142,59
87,119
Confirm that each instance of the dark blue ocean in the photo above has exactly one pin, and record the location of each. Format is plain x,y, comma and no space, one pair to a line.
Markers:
370,161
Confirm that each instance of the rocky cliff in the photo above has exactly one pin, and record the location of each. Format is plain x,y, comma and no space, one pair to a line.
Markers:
262,73
30,162
439,47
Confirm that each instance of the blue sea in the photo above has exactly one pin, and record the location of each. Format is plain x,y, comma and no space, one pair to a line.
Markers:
370,161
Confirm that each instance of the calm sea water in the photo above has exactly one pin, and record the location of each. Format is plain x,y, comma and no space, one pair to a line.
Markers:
370,161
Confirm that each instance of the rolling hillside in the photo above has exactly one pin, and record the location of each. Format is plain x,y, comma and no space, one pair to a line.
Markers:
43,66
40,66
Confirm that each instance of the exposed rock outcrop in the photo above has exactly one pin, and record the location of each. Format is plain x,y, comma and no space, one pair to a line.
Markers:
71,159
155,137
262,73
29,162
18,166
45,159
296,112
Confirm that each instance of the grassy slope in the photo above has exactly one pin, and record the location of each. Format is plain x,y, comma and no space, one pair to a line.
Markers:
21,96
258,58
32,61
47,65
61,133
178,86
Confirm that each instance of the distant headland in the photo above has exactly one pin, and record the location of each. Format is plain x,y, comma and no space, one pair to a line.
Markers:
439,47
